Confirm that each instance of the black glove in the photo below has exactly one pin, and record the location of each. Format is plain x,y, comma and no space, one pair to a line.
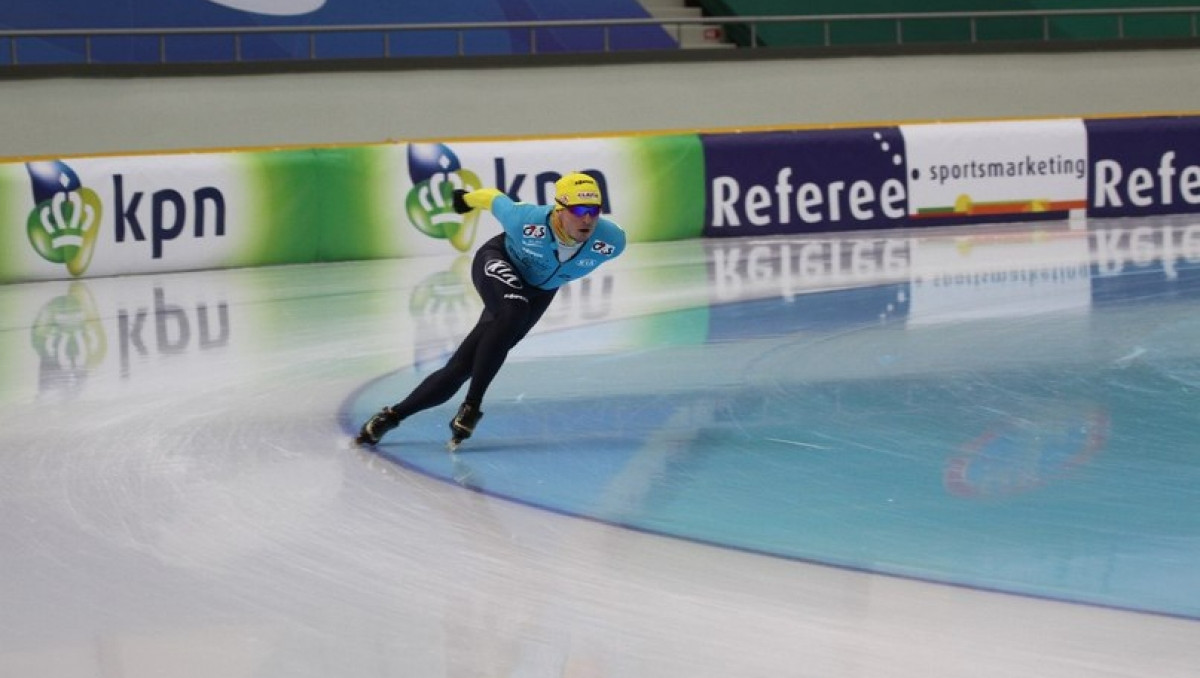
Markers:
460,201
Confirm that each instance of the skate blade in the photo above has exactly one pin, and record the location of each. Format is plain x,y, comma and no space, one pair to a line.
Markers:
454,444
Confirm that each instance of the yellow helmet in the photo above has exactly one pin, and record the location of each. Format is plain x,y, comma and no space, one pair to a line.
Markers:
577,189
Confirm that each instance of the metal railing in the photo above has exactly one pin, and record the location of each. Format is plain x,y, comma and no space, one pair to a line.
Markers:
972,18
672,26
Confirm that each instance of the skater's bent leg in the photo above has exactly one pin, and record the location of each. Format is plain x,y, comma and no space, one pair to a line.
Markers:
537,308
441,385
499,335
511,306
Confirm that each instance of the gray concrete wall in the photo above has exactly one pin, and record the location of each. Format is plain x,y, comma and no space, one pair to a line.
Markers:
76,116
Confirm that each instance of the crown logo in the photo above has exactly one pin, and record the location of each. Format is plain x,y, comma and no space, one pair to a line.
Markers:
436,172
64,224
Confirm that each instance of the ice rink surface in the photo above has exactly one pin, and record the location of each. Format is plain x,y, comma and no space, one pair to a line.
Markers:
912,454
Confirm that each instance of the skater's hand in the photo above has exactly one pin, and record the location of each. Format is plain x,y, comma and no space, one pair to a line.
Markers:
460,201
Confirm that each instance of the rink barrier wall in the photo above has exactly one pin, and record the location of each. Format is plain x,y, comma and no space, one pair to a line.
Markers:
90,217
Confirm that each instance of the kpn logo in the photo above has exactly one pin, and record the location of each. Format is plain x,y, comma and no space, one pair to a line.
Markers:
436,173
65,221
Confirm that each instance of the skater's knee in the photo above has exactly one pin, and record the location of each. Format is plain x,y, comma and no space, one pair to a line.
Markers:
512,319
457,369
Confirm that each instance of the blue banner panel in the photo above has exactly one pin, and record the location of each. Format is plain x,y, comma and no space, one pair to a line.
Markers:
809,181
151,14
1143,166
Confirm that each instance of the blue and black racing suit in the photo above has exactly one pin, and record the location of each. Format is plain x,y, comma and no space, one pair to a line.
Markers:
517,273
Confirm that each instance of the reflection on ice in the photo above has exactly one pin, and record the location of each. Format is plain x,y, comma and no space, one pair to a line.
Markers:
958,366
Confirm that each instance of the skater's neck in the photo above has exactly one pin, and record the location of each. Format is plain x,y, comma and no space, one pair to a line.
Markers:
560,232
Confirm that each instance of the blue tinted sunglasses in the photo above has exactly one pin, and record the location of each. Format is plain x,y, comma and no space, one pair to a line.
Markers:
584,210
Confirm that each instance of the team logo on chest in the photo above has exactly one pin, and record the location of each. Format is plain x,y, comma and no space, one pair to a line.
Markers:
535,231
601,247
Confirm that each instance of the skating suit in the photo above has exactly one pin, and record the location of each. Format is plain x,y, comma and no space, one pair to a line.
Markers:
532,249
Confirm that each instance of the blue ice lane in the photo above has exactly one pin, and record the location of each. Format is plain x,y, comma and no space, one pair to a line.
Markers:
1070,479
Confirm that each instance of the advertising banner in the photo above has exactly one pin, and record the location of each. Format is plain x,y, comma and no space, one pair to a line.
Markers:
804,181
88,217
70,218
14,208
399,196
995,171
315,205
1144,166
111,216
651,185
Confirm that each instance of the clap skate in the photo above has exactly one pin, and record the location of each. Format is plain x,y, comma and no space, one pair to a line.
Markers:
463,424
374,429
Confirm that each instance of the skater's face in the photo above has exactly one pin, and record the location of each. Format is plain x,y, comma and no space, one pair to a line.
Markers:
578,221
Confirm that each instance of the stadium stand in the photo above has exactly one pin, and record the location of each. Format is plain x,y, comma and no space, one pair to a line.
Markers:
866,32
262,15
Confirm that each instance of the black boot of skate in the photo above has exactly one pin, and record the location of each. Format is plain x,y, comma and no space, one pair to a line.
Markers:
463,424
380,423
